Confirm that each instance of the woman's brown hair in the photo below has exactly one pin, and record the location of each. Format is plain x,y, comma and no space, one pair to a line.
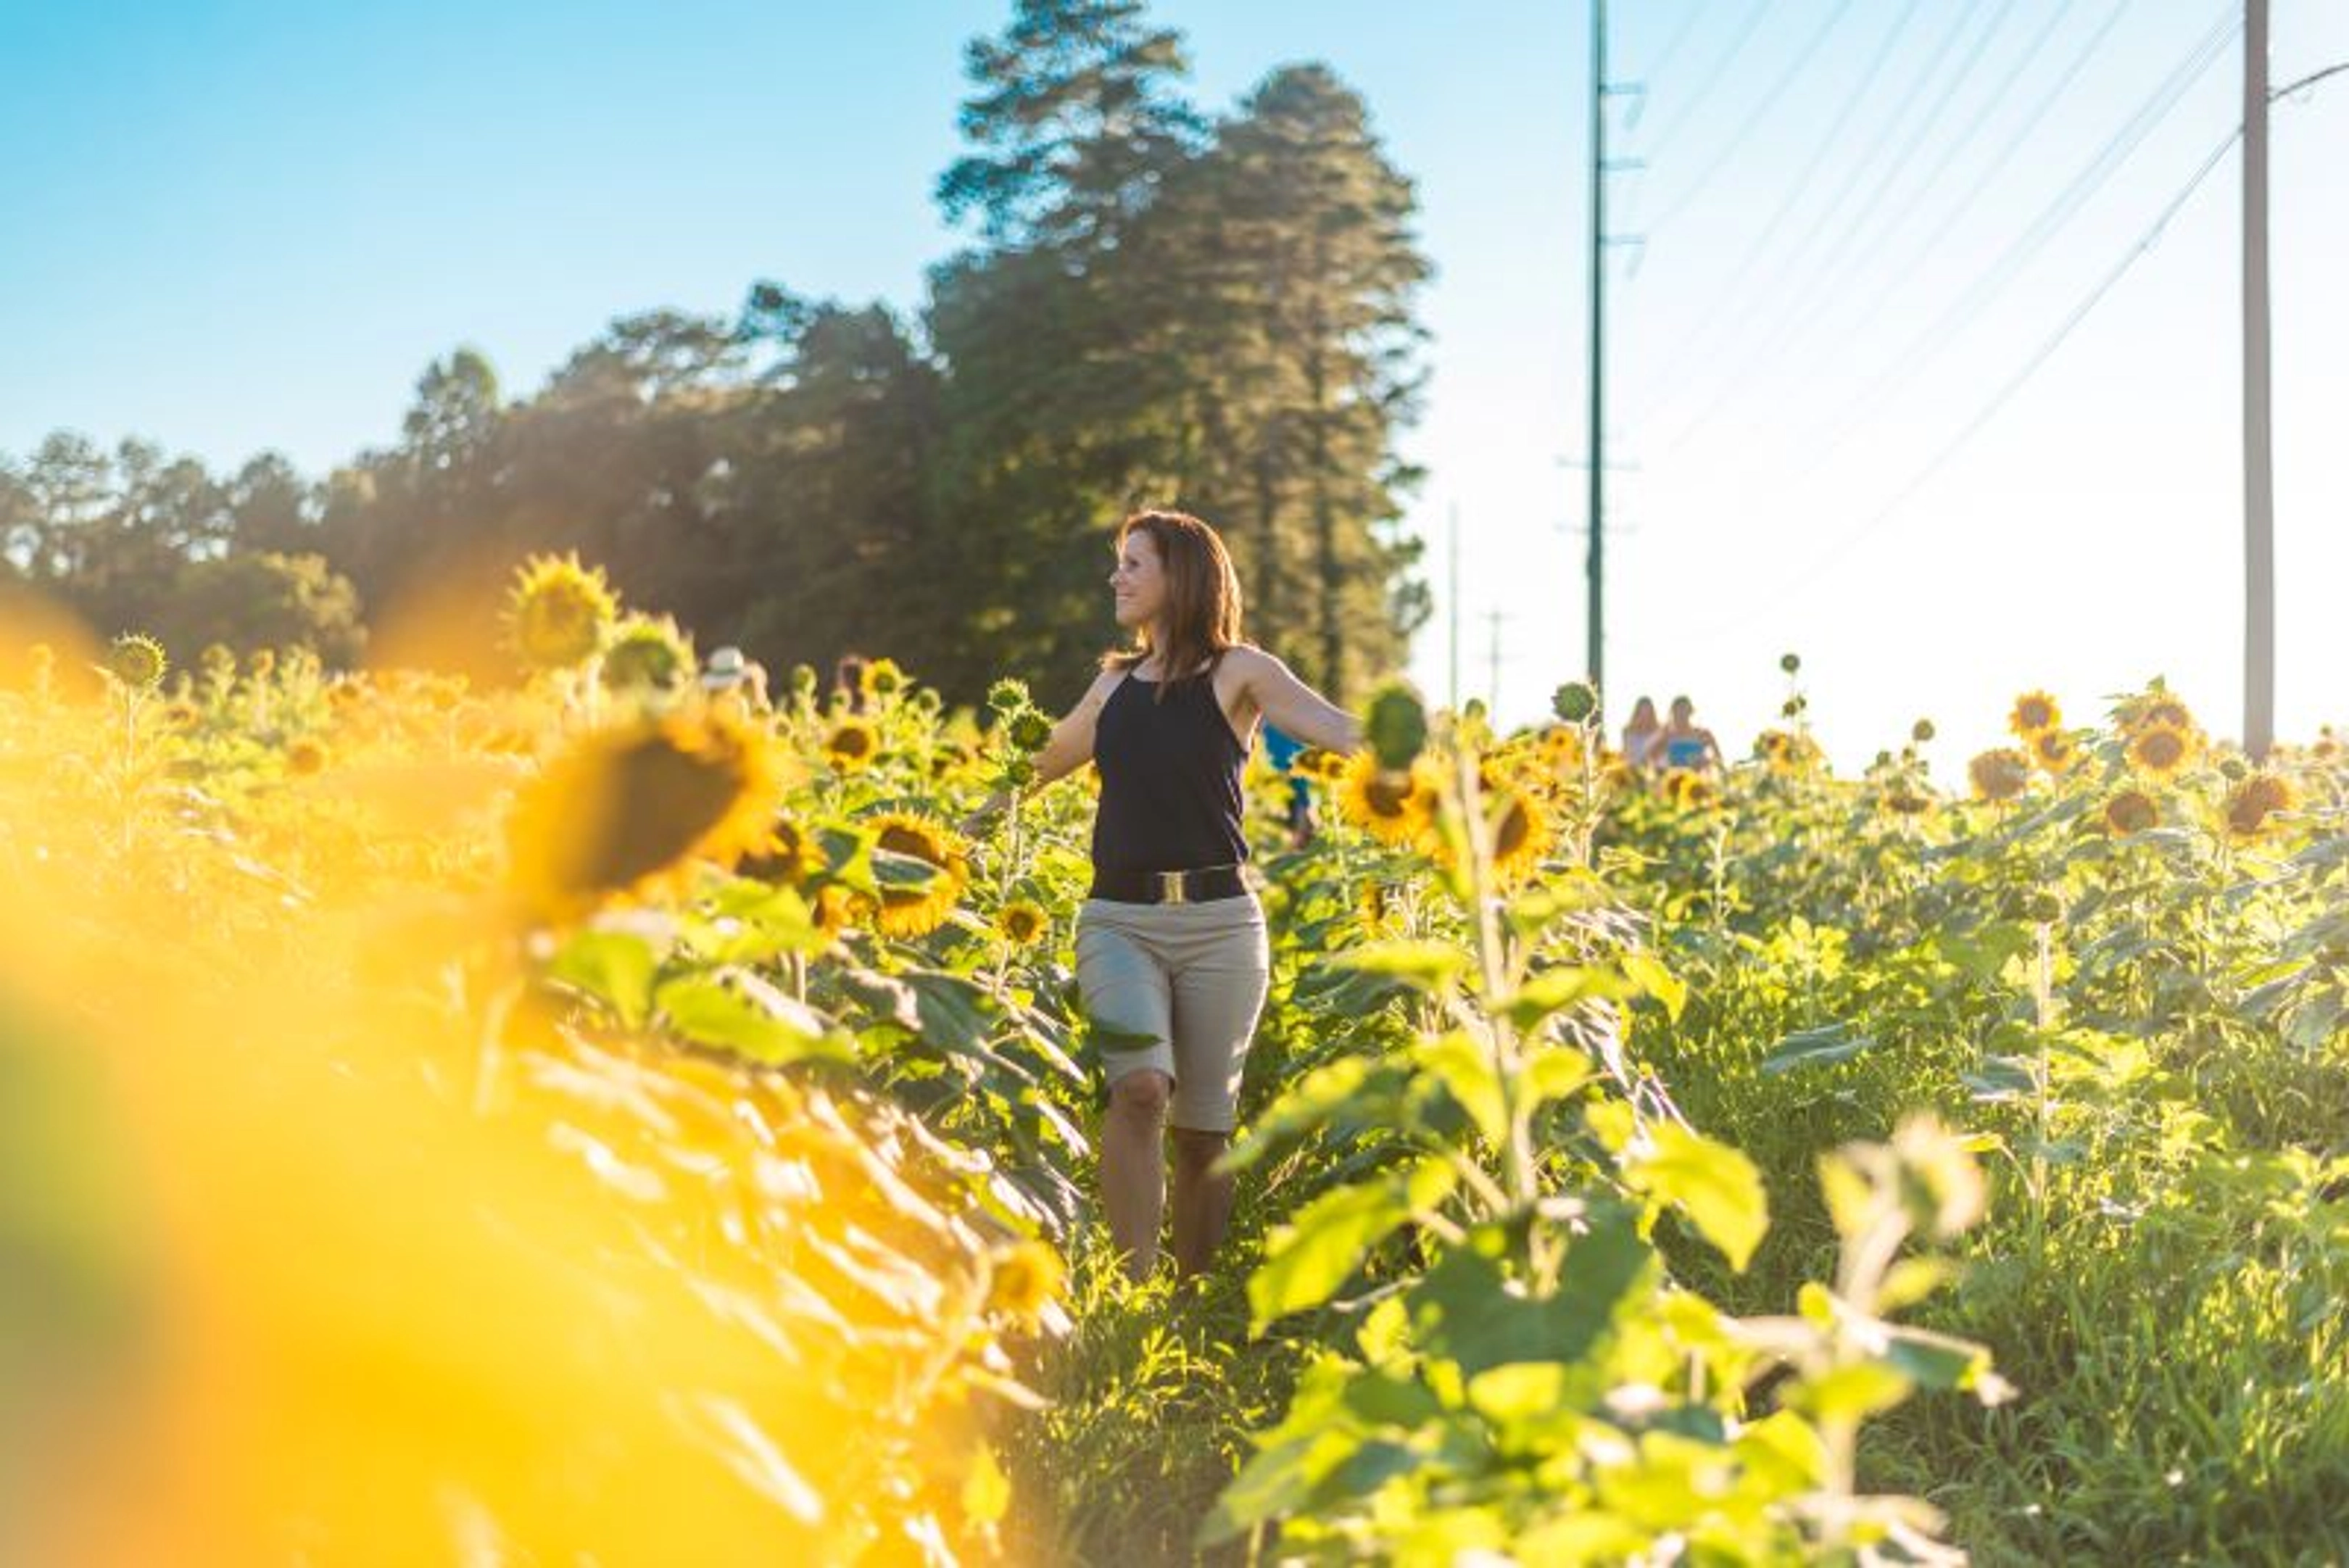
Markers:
1203,598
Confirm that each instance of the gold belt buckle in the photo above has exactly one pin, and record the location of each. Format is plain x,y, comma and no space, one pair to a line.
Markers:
1170,888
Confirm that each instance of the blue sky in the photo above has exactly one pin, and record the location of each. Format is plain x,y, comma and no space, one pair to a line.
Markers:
240,226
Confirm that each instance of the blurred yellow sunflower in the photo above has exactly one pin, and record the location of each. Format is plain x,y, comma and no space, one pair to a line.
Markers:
629,809
2053,749
1023,922
1905,799
1393,808
1690,789
2131,812
850,744
837,909
1562,746
910,906
1025,1280
1999,774
2034,711
558,611
788,858
2160,749
305,756
2252,803
2161,708
1521,833
881,678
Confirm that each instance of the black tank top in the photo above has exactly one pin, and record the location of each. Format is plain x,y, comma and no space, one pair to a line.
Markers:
1170,776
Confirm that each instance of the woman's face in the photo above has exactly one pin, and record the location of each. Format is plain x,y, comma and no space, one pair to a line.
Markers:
1139,582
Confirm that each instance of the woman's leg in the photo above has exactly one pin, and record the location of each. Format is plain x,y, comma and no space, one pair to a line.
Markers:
1133,1167
1125,990
1202,1198
1218,991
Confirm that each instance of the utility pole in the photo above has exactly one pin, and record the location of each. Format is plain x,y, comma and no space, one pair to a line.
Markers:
2259,456
1594,658
1595,565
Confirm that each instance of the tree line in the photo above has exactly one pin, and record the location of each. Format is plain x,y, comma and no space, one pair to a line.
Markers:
1154,306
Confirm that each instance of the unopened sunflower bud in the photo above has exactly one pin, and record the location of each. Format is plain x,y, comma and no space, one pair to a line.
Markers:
1396,726
1790,663
1922,731
136,661
2043,907
1576,702
2234,769
1029,730
1008,696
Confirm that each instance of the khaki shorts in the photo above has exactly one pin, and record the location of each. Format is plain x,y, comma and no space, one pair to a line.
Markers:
1192,977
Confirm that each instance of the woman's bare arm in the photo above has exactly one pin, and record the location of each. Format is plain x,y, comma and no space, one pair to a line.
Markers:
1293,707
1071,745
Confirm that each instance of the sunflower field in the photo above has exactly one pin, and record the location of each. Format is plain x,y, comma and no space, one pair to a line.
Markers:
611,1117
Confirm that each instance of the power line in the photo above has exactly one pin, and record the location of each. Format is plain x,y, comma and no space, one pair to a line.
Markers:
1688,25
1720,65
1727,294
1734,144
1927,346
1999,162
1981,117
1835,553
1782,325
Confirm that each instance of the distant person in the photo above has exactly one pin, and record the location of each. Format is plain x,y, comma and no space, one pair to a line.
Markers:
728,678
1683,744
1642,737
848,682
1282,751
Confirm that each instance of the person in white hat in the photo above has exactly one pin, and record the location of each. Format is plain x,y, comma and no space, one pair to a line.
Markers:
725,674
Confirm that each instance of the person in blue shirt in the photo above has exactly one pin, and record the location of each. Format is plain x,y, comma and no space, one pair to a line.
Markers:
1685,744
1282,751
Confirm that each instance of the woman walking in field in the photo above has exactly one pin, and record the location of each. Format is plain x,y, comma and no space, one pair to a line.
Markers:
1171,945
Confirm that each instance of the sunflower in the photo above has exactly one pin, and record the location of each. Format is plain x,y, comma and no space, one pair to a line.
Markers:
881,678
1024,1281
2160,749
1330,767
837,909
558,611
137,661
1022,921
851,745
1906,800
1374,902
2131,812
1999,774
1393,808
2158,709
182,713
305,756
1521,834
2258,798
1690,789
2034,711
627,808
2052,750
787,858
1562,744
650,656
909,907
